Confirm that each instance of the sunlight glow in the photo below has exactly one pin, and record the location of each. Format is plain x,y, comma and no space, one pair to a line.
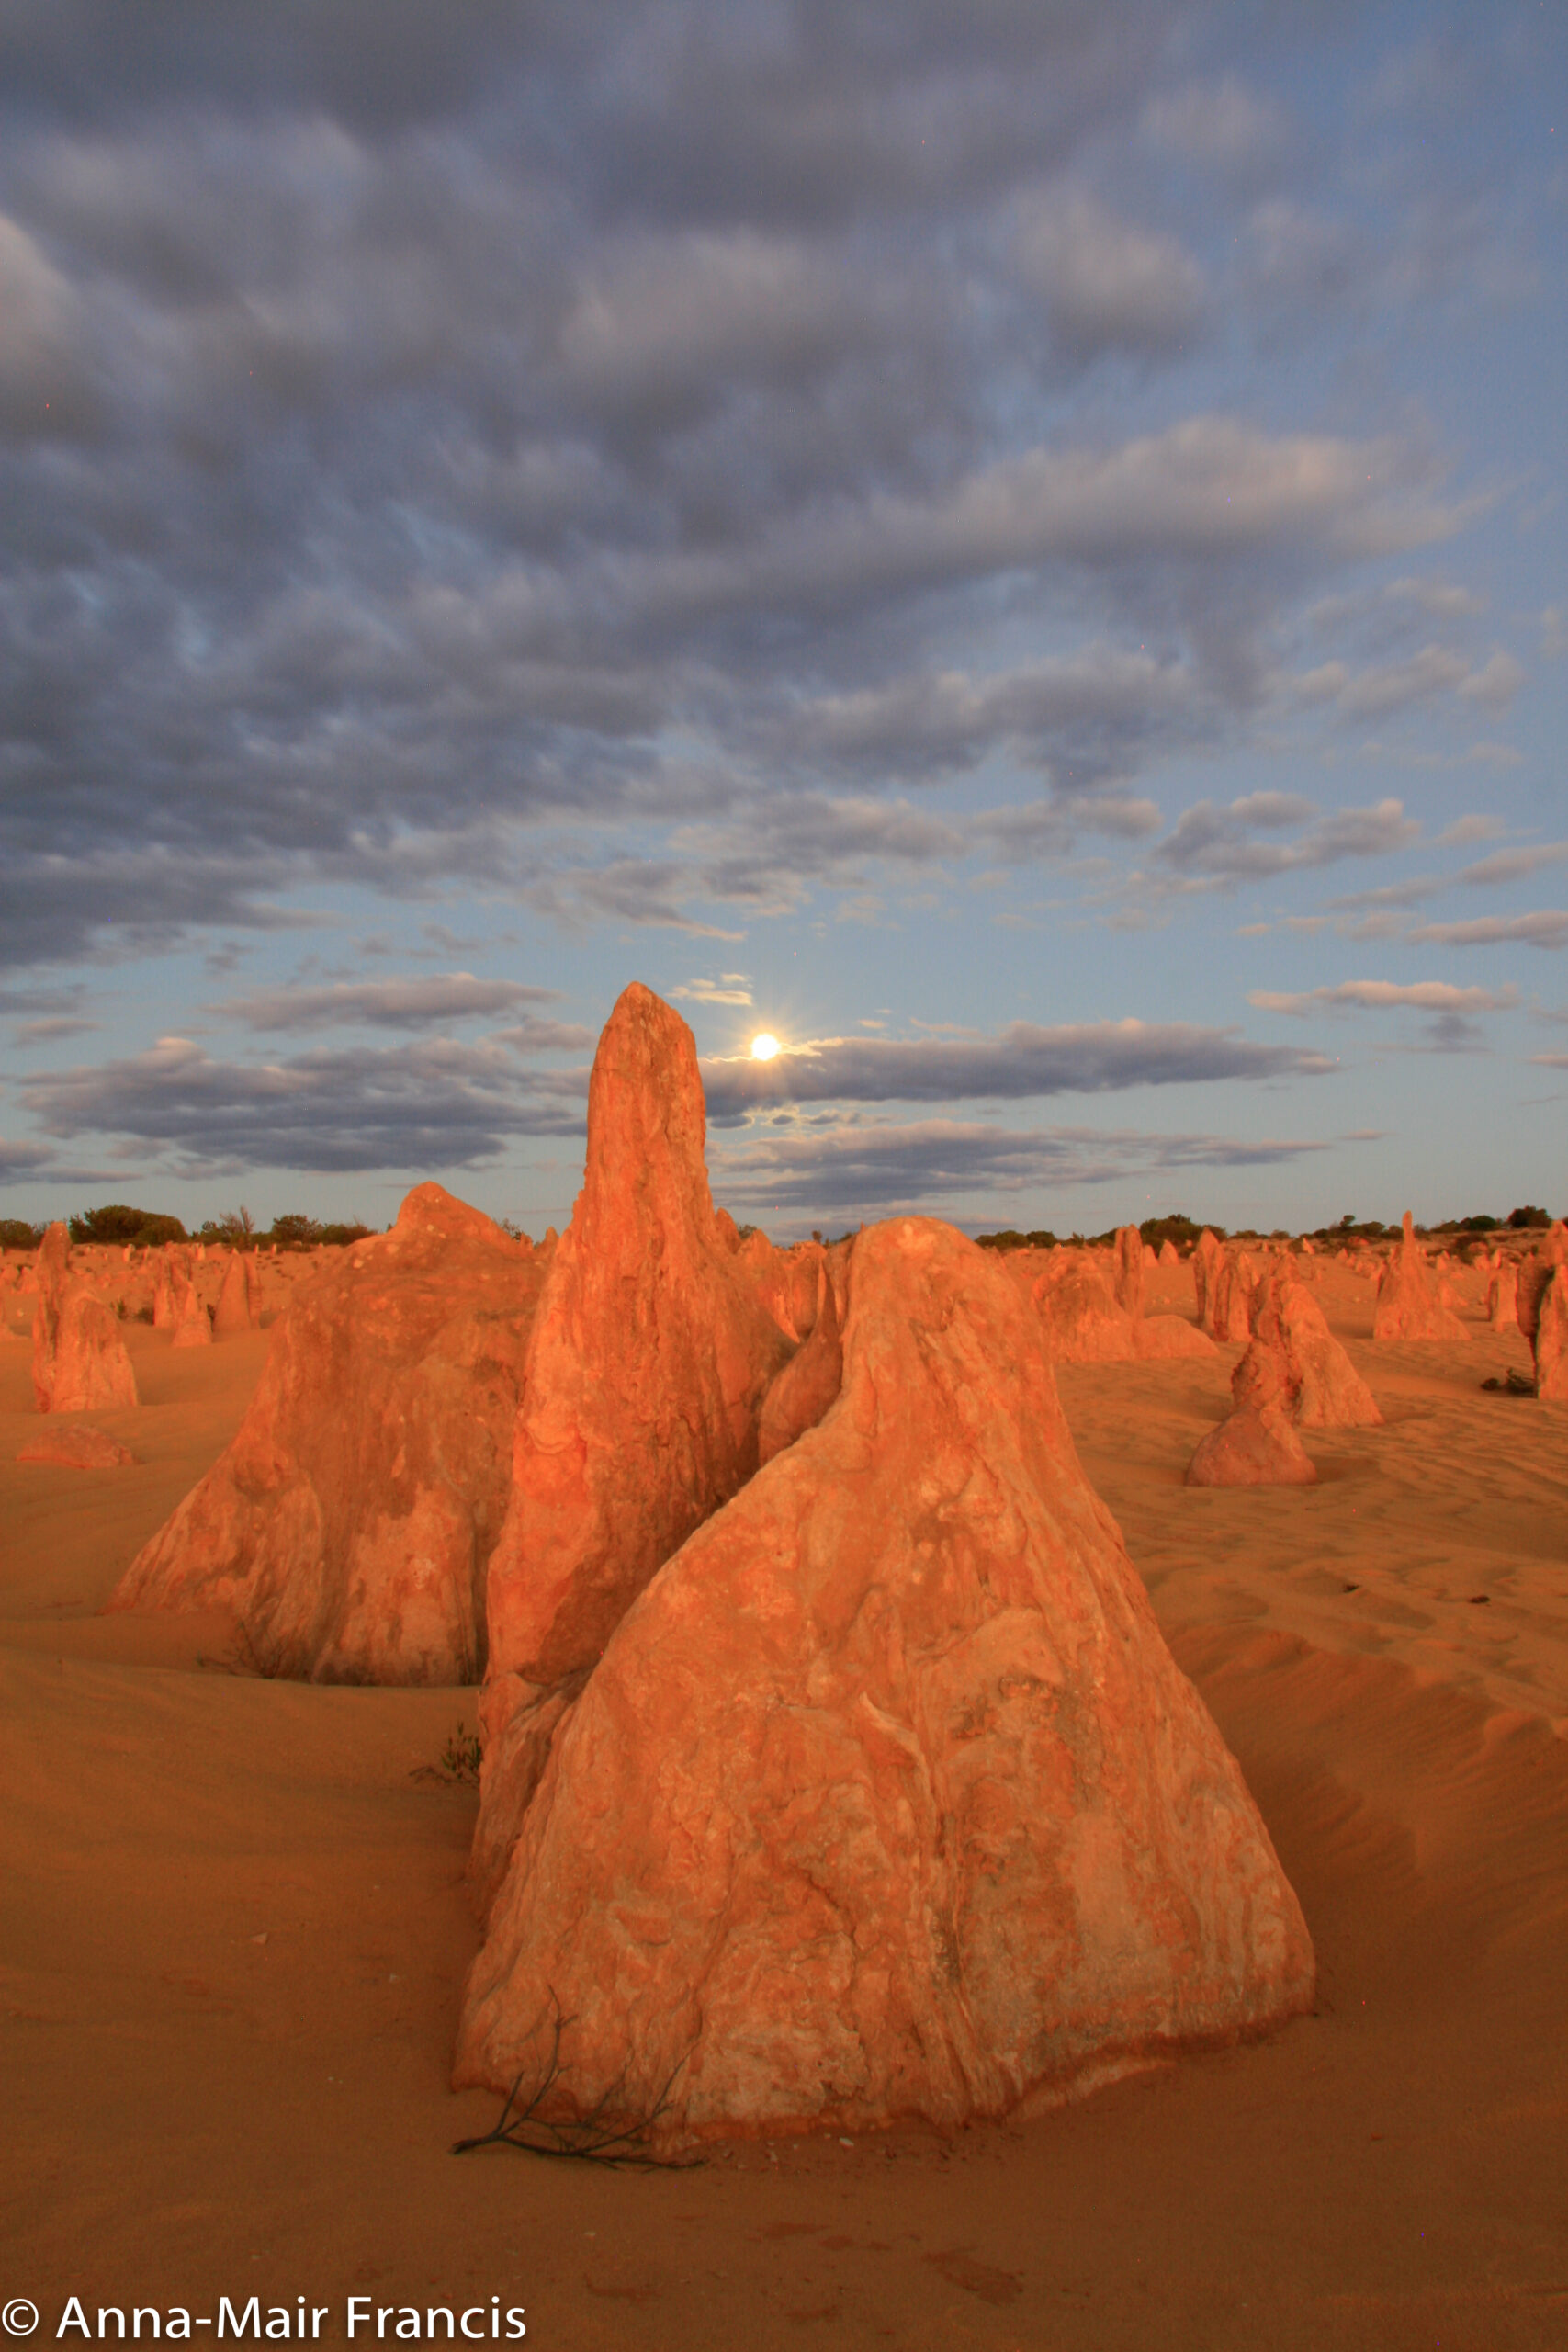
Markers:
764,1047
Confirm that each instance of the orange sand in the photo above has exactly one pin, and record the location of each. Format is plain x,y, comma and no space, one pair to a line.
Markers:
234,1930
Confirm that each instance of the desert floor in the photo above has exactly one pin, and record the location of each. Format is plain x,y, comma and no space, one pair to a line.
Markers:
235,1929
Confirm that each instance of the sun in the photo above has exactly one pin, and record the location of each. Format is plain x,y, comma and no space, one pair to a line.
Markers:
764,1047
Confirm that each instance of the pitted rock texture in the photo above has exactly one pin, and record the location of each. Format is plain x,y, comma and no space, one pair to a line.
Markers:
886,1799
350,1522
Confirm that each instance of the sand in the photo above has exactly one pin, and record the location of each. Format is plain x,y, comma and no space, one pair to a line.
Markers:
235,1927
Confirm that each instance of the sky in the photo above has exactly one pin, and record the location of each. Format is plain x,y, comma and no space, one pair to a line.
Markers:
1019,550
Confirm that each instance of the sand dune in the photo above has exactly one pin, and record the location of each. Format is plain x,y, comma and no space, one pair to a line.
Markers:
235,1929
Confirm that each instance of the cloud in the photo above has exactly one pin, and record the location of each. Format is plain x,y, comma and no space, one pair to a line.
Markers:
1547,927
1421,996
428,1105
1217,126
1420,677
531,1036
1108,284
46,1032
867,1168
23,1157
1465,830
423,1004
1217,842
729,987
1516,865
1025,1060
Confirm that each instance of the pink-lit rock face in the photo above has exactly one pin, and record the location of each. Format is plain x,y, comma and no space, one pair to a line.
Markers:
350,1521
1169,1254
886,1799
647,1369
1407,1304
80,1363
72,1445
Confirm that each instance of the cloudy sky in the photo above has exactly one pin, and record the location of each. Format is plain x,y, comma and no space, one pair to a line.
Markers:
1018,549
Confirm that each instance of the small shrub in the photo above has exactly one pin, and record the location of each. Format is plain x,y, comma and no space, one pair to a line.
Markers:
458,1762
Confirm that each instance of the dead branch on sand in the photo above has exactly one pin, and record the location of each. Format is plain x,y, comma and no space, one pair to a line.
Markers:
588,2139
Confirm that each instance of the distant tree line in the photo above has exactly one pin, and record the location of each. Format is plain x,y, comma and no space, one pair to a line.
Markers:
1184,1231
120,1227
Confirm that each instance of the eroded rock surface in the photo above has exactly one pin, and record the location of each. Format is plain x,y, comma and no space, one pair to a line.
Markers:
1231,1278
886,1799
1549,1340
350,1522
79,1361
1256,1445
73,1445
1322,1388
1073,1293
647,1369
239,1300
1129,1275
1407,1304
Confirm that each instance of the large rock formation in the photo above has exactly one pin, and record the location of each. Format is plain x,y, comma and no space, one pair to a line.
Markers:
885,1799
1129,1275
1231,1278
1407,1305
349,1524
1205,1258
1543,1314
808,1383
1072,1292
1322,1388
192,1322
239,1300
785,1280
1503,1295
1549,1340
645,1375
1255,1445
73,1445
79,1361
